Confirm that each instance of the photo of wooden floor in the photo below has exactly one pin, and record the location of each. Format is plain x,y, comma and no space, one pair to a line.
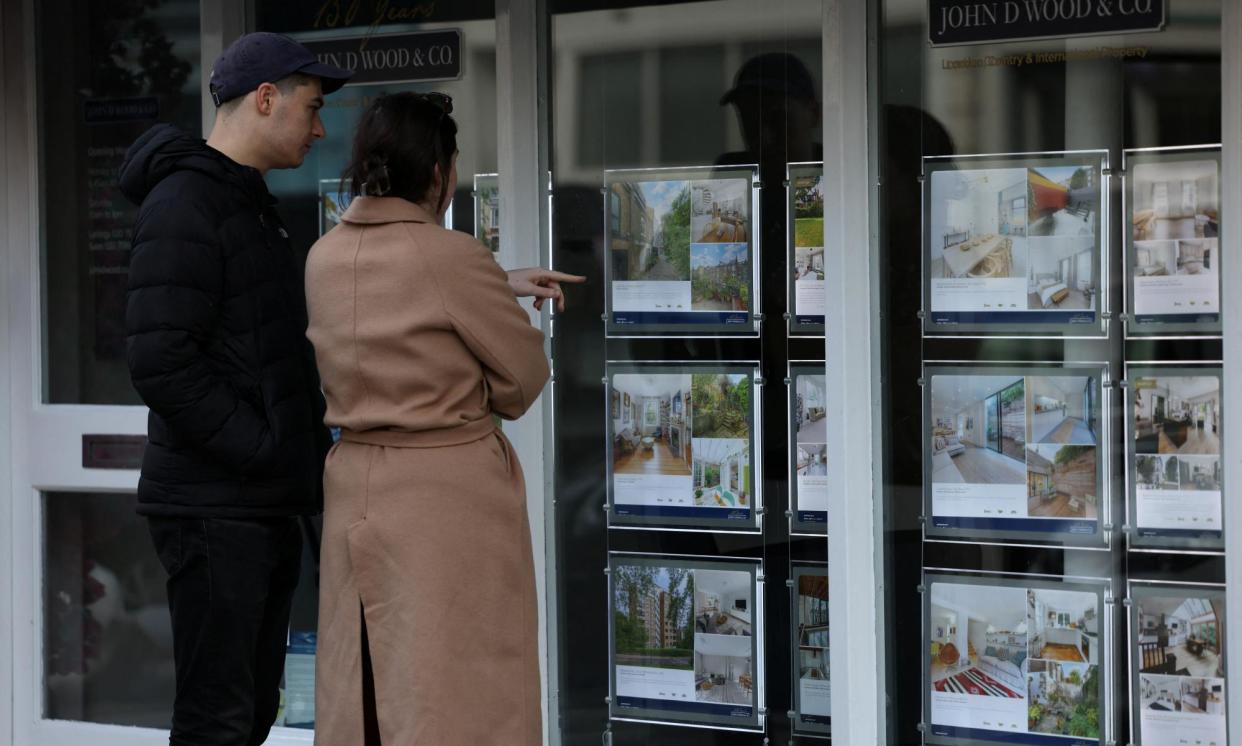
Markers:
658,460
1056,652
1198,441
983,466
1051,427
1060,506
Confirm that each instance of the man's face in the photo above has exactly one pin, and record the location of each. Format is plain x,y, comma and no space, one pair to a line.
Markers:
295,124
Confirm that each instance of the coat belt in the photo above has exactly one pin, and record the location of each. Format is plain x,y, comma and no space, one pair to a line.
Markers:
444,436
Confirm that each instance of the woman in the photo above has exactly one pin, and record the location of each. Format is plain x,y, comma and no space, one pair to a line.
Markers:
427,613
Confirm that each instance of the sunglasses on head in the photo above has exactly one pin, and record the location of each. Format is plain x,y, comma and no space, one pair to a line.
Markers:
441,101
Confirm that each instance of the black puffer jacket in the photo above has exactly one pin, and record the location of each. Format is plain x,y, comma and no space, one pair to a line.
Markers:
216,323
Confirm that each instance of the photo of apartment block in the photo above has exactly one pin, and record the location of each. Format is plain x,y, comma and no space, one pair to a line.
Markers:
1064,625
1177,415
1180,636
978,640
651,427
1062,201
720,211
979,223
652,616
1175,200
649,230
1063,409
979,429
1062,481
1062,273
723,625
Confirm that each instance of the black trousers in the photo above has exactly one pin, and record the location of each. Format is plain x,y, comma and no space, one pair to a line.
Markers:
230,587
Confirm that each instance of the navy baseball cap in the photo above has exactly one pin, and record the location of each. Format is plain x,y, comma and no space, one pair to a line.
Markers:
778,73
264,57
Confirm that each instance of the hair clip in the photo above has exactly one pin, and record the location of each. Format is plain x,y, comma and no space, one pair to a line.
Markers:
381,185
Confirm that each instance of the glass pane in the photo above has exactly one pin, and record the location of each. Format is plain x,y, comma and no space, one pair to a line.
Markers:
107,645
104,78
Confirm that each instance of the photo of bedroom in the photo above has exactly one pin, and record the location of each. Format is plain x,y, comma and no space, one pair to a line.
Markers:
1064,698
979,429
1064,625
1175,199
978,640
1155,258
1063,409
1061,481
1180,636
1160,693
979,223
723,636
1062,200
649,230
810,398
719,277
1062,273
808,264
651,424
652,621
1177,414
720,211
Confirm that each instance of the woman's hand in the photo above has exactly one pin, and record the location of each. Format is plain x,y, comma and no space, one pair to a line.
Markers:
541,284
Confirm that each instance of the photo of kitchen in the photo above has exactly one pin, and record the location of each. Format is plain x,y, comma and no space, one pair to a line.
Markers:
1063,409
1181,636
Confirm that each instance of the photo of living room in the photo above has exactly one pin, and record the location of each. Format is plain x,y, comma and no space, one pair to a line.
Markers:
1064,625
1160,693
812,622
1177,414
1176,199
1179,636
720,277
1155,258
978,640
810,399
649,230
1062,481
651,424
1062,273
1063,409
652,622
1062,200
1064,698
720,211
723,641
808,264
979,223
1158,472
979,429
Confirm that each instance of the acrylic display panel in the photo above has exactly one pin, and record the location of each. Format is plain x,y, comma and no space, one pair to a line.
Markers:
1016,453
1172,224
333,201
487,210
812,689
806,247
682,250
1013,244
808,448
1174,456
1177,664
1015,660
683,638
681,445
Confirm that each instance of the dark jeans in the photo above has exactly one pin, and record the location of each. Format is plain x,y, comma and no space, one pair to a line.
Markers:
230,585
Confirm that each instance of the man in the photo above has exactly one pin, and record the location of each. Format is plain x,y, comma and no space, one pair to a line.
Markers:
216,324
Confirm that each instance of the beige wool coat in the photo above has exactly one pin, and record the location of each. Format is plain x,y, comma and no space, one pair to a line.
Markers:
419,341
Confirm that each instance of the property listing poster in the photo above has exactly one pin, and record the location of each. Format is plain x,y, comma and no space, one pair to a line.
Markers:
1173,210
680,250
682,446
683,640
1014,240
333,201
810,619
810,451
1015,451
487,210
806,196
1179,654
1176,465
1015,662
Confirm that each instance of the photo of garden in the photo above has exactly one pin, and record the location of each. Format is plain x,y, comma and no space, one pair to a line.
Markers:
649,230
653,623
1063,698
719,277
808,197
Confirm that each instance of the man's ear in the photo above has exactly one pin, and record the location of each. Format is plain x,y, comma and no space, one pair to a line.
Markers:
265,98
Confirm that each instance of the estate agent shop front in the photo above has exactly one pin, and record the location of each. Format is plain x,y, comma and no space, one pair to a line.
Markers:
904,361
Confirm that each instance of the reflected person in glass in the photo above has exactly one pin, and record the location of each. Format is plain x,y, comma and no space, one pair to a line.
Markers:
427,613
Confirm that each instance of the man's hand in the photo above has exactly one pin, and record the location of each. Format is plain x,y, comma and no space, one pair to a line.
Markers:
541,284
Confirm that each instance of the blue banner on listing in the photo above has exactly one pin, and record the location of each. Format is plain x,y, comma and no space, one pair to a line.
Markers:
815,719
1177,318
812,516
1188,533
697,318
704,708
741,514
1035,525
1013,317
800,319
996,736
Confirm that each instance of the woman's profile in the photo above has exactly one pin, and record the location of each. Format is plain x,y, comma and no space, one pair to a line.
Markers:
427,630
